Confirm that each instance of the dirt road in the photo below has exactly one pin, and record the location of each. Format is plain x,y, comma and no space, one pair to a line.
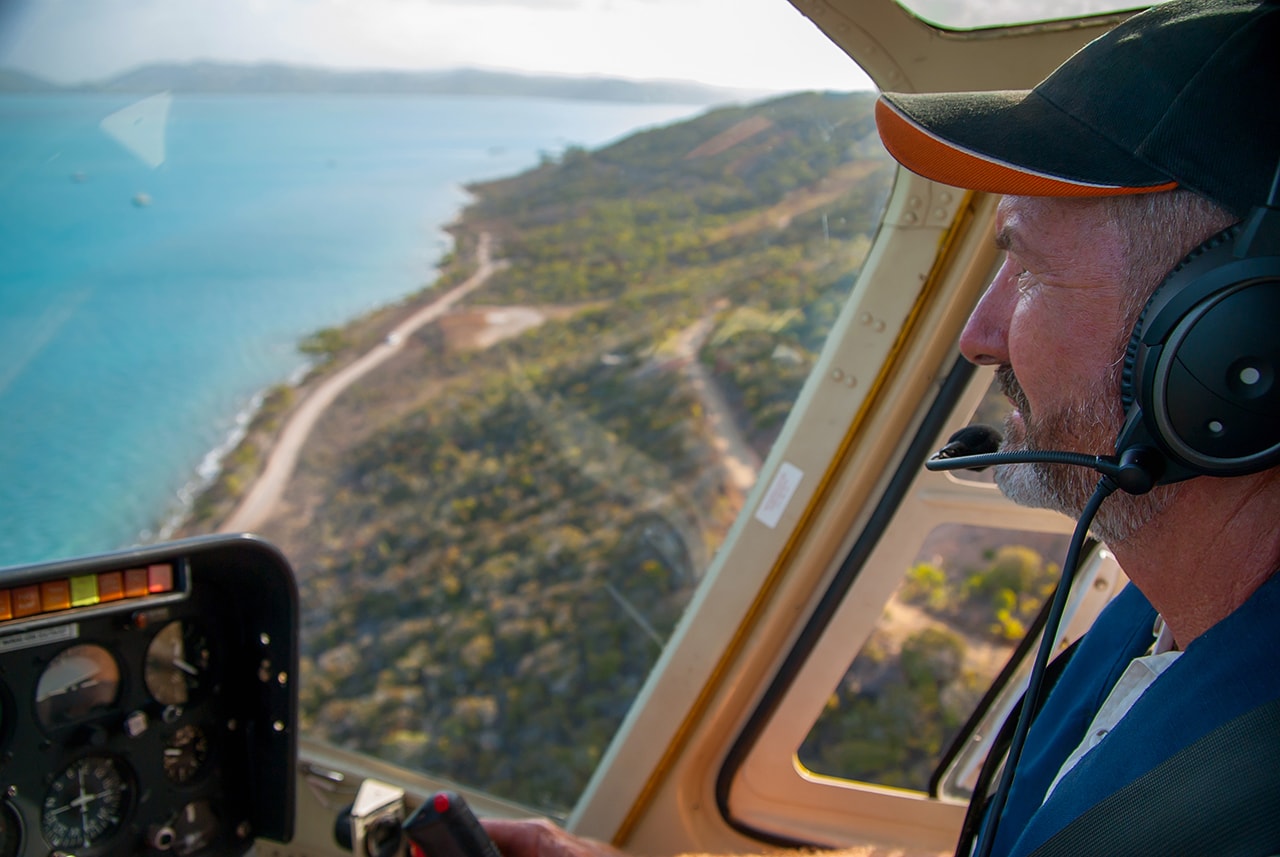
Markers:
261,500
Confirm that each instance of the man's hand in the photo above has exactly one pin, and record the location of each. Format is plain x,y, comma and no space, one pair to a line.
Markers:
539,838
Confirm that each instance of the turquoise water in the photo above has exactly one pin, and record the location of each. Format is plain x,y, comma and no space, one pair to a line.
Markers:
142,308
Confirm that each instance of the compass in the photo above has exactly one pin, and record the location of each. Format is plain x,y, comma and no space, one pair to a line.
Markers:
86,803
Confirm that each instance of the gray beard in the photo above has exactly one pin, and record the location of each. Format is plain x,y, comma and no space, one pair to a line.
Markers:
1089,427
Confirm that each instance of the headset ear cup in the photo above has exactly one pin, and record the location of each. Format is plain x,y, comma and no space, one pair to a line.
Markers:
1128,386
1199,374
1130,392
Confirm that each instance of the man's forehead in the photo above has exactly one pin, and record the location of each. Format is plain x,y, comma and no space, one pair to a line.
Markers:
1025,223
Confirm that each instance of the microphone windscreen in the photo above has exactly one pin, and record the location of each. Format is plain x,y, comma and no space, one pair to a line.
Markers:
971,440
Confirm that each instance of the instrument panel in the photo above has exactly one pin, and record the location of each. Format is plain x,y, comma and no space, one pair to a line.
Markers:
148,701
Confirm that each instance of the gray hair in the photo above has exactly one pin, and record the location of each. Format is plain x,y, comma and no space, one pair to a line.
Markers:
1159,229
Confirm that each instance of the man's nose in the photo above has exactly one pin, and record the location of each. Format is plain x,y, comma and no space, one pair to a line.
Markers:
985,338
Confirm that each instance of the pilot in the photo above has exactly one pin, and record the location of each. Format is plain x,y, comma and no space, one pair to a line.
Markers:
1149,141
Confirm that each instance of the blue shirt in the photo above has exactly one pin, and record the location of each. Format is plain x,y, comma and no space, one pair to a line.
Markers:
1223,673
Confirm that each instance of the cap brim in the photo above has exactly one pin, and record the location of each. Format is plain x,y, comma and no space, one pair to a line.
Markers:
1011,142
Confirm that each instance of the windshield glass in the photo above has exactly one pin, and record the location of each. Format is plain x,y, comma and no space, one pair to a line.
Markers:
494,356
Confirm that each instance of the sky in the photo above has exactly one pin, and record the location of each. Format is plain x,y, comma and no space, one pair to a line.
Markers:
752,44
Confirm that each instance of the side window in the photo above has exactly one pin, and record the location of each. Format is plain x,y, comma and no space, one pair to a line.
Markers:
965,603
963,606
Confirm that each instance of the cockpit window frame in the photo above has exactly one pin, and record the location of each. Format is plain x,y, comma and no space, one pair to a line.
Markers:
952,390
975,19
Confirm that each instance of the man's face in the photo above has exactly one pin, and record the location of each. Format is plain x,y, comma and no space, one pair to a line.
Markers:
1053,322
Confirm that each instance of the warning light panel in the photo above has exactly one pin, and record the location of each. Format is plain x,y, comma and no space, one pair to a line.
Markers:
85,590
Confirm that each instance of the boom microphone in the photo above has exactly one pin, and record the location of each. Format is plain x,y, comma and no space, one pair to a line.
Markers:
970,440
1135,470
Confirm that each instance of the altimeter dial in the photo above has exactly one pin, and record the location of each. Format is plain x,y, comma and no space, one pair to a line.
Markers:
177,664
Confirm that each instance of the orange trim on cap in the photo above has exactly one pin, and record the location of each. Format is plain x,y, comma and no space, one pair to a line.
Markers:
924,154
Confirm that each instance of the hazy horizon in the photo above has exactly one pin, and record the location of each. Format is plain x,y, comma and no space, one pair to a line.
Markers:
752,44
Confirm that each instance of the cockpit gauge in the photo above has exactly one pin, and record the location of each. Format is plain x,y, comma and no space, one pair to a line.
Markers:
177,663
185,754
87,803
193,829
78,681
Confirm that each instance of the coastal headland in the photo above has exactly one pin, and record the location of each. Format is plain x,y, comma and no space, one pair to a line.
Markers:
499,495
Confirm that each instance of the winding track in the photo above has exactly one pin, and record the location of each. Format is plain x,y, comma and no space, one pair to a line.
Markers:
261,500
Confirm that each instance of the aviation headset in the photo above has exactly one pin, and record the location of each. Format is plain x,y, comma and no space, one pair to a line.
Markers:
1201,376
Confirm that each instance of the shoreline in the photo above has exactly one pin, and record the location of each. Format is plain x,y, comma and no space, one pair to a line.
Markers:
183,517
212,465
263,495
272,430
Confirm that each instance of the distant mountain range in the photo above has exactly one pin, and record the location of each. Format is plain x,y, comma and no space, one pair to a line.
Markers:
214,77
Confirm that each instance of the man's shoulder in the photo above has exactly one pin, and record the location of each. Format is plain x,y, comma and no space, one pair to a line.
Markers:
1223,675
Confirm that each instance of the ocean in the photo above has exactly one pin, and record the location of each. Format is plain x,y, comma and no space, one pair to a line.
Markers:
149,295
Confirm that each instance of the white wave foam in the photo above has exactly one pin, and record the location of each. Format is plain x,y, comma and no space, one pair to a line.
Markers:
210,466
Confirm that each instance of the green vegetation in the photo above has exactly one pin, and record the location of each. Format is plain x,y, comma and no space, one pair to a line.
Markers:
902,702
1016,584
324,344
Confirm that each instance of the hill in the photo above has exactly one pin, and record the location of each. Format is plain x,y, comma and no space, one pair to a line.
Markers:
217,77
16,81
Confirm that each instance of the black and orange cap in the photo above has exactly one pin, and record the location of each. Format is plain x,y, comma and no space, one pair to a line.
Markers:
1185,94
